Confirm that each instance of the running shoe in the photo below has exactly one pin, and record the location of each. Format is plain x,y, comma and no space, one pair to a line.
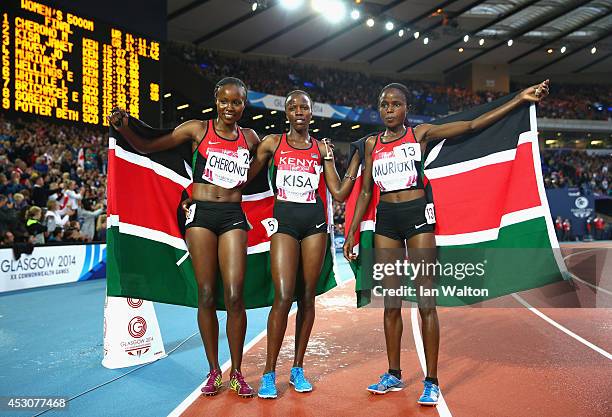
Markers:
299,381
387,383
267,386
430,395
212,383
238,384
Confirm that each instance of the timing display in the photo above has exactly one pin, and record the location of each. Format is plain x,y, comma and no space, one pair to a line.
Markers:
60,65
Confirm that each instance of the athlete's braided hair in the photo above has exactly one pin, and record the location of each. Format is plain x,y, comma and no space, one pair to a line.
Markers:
297,92
397,86
231,81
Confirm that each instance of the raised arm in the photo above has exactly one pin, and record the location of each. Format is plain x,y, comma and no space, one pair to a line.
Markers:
263,152
362,202
339,189
427,132
188,131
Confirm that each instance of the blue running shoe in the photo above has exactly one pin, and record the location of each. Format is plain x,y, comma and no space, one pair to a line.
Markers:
299,381
387,383
267,386
430,395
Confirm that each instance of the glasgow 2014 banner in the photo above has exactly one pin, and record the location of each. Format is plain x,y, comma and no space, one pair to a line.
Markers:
50,265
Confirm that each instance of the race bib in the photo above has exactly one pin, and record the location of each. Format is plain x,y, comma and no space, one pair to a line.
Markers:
430,214
271,225
408,152
227,168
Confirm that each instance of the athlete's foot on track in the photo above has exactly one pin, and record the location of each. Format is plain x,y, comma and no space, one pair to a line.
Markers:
299,381
387,383
238,384
212,383
267,386
430,395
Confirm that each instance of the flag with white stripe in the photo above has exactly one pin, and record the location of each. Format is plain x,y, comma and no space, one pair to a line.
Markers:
490,204
147,256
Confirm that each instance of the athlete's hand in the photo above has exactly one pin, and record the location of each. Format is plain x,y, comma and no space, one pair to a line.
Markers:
118,118
185,204
329,149
535,93
348,248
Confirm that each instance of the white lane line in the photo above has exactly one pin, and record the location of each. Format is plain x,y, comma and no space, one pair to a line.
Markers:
197,392
574,276
442,407
565,330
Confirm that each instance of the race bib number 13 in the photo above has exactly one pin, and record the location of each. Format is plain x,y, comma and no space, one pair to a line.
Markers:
430,214
408,152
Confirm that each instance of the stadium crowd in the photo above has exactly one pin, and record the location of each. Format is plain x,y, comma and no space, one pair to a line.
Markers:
52,183
351,88
565,168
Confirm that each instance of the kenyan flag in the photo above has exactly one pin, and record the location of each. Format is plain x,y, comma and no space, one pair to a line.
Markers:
147,256
490,206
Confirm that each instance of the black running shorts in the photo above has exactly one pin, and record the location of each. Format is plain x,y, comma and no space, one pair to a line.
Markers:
400,221
300,220
218,217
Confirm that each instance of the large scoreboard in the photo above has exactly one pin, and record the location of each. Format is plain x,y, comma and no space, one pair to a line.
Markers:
60,65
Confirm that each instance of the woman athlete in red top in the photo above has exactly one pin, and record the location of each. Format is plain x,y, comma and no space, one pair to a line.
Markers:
216,227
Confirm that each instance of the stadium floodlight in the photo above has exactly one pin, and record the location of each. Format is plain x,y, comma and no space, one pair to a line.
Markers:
425,40
481,41
563,49
335,125
271,125
291,4
315,130
355,14
254,6
273,112
510,42
355,127
312,121
370,22
332,10
182,106
207,110
389,25
167,95
259,116
416,35
466,38
400,33
593,50
460,50
550,50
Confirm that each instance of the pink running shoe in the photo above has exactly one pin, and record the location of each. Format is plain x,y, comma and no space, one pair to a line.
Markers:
213,382
238,384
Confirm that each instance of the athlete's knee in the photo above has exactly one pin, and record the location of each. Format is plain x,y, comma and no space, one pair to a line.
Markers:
206,297
307,300
393,313
283,300
233,301
428,312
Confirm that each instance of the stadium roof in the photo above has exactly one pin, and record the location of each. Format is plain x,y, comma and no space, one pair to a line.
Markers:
534,26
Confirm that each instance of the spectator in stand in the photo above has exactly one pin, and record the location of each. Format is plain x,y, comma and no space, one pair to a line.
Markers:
567,227
87,217
559,227
600,226
57,235
101,228
8,215
7,239
40,191
34,226
73,196
56,218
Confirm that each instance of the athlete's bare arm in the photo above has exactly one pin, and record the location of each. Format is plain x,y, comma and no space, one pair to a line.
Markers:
188,131
427,132
339,189
264,151
363,201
